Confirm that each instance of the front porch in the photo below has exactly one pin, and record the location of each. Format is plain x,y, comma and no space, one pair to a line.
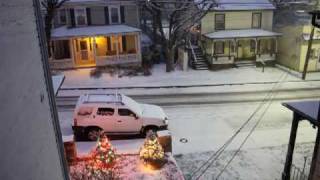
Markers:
231,46
95,46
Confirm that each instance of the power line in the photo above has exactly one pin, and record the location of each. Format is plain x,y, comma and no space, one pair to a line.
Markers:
251,131
222,148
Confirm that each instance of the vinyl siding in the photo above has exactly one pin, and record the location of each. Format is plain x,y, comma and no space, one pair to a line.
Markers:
236,20
97,15
131,15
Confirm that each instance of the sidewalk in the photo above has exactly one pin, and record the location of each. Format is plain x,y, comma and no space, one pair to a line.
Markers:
236,76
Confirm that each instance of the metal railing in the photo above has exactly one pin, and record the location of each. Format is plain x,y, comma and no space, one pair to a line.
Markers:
297,173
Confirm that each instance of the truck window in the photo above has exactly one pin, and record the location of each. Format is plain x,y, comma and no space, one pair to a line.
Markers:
105,111
125,112
85,111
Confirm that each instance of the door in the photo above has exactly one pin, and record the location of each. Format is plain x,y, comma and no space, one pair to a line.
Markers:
128,121
105,118
84,52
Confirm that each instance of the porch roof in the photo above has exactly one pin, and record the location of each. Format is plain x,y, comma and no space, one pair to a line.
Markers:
243,33
65,32
308,110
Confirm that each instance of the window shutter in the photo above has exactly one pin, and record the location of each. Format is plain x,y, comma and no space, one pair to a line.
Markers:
124,43
109,43
122,14
106,14
73,22
88,11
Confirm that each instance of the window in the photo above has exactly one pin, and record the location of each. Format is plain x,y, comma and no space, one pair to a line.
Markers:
61,49
219,21
219,47
85,111
126,112
256,20
105,111
62,16
81,16
114,15
313,53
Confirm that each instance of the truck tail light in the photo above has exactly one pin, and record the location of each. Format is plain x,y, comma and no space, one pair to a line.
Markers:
75,122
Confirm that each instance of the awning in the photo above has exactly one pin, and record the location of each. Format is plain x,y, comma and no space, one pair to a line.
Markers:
244,33
65,32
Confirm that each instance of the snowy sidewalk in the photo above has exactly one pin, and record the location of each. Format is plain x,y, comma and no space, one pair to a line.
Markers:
81,78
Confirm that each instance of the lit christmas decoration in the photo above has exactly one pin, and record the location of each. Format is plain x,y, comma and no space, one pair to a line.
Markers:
103,158
152,153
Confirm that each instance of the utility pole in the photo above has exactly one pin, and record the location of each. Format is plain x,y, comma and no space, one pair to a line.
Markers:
306,63
315,23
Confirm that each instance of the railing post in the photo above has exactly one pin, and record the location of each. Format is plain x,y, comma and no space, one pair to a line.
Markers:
292,141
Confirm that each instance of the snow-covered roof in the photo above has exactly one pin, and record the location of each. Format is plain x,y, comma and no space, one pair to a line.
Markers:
230,34
231,5
65,32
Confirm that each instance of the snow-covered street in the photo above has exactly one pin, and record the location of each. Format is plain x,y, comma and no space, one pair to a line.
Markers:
207,127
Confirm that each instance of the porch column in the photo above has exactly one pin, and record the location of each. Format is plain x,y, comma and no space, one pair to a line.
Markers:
117,46
292,141
138,45
276,45
237,49
212,50
94,49
72,45
256,48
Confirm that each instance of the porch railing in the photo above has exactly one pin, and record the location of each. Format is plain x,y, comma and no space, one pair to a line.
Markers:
192,51
297,173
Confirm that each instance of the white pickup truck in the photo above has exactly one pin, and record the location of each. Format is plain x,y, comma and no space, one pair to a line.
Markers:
115,114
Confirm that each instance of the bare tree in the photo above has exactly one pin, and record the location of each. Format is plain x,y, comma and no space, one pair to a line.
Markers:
51,7
179,16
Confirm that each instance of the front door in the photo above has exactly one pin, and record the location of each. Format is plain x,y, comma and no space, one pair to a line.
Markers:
84,52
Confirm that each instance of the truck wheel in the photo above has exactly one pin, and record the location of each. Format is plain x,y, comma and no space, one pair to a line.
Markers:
151,128
93,133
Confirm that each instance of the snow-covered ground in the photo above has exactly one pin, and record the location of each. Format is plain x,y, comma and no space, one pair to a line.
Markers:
207,127
159,78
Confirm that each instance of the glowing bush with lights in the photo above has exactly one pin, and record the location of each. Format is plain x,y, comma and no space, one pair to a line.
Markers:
104,155
152,152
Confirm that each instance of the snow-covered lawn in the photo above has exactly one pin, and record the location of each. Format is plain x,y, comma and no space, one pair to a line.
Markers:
81,78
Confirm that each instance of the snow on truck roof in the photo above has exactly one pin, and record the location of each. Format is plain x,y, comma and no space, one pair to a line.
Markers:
102,98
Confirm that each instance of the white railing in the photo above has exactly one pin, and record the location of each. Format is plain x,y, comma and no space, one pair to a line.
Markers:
192,51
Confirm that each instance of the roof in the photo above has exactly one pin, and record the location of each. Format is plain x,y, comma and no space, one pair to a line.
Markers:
243,33
308,110
65,32
232,5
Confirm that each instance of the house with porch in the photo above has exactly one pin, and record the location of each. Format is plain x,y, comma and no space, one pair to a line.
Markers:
239,32
89,33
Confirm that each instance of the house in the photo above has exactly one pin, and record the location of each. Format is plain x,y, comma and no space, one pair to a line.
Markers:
90,33
293,45
239,31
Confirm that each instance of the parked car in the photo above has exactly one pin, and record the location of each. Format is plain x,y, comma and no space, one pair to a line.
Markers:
115,114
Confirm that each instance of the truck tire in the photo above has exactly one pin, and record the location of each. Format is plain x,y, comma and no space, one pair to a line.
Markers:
93,133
